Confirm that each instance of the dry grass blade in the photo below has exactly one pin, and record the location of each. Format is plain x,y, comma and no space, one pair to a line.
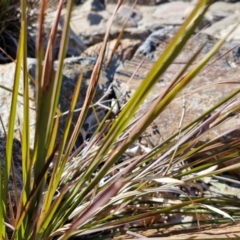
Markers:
40,50
120,35
99,201
224,214
93,82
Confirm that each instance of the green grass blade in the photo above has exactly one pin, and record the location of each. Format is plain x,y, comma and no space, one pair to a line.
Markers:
60,162
2,208
26,167
12,119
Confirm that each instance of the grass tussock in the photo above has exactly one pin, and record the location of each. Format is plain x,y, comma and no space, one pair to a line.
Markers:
111,182
10,27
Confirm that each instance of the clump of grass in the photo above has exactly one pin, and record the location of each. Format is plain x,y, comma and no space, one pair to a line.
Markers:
79,197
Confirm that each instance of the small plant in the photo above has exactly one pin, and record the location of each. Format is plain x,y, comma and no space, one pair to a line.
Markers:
79,197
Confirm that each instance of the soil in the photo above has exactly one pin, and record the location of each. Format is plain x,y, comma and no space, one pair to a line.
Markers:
226,231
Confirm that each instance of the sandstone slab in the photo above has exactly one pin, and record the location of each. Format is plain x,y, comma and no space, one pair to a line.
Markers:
171,13
72,69
142,2
222,27
7,72
206,90
125,50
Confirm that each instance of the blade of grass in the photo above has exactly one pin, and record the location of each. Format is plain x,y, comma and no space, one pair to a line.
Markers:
26,167
120,35
93,83
45,119
12,117
40,52
59,166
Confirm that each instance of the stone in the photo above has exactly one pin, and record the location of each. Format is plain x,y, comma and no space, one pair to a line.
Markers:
217,11
220,10
94,18
82,24
7,72
89,26
16,176
206,90
222,27
148,21
152,42
87,21
93,5
72,69
90,19
234,59
75,44
125,50
142,2
126,12
171,13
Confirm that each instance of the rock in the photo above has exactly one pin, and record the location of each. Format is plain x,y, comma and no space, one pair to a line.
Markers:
196,100
72,69
75,44
126,12
94,18
124,51
92,34
7,72
71,72
15,182
143,2
148,21
89,26
220,10
222,27
153,41
234,59
89,20
171,13
93,5
217,11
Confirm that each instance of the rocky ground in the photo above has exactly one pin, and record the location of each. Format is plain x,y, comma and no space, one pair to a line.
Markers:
150,27
227,231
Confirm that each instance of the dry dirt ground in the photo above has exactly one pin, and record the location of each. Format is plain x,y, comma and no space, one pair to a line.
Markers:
229,231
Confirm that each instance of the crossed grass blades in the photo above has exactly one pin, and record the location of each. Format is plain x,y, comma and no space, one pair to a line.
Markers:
74,199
